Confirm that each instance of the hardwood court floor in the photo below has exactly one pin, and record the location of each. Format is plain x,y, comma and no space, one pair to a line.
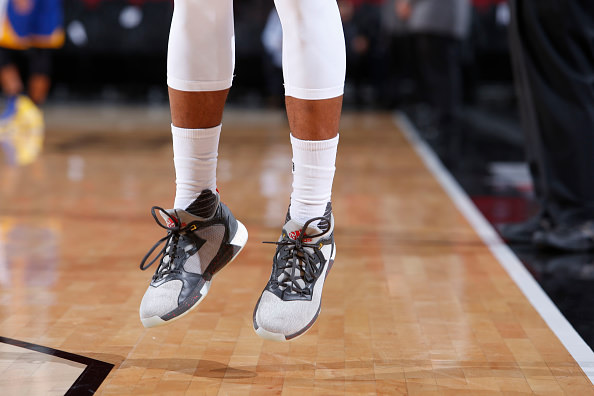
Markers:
415,303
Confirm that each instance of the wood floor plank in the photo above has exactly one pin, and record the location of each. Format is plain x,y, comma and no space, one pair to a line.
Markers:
416,304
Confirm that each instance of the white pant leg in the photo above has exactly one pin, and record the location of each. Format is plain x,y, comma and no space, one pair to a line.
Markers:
201,54
314,56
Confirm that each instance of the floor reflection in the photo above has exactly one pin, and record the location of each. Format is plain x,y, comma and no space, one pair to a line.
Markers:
29,252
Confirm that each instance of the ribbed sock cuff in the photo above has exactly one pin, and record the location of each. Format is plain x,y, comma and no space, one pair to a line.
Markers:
314,145
204,133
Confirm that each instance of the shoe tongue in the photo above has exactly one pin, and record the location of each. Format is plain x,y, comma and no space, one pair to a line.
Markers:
293,230
182,215
203,208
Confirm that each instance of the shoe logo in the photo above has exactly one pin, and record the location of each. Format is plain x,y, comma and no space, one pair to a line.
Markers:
295,234
173,223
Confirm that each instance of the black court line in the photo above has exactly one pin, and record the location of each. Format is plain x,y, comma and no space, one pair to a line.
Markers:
89,380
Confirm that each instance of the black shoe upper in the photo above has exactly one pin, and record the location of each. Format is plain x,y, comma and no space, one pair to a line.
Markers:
298,261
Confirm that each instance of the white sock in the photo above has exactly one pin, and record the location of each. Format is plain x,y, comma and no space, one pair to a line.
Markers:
195,153
313,173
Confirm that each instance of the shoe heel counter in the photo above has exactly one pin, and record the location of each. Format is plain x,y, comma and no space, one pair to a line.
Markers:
228,218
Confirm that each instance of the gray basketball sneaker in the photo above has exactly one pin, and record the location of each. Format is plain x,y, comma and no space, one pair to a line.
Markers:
200,241
291,301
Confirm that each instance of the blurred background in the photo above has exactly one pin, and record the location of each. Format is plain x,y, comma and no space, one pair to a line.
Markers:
116,49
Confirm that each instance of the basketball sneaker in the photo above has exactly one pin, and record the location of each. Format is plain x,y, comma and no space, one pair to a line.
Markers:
200,241
291,301
21,130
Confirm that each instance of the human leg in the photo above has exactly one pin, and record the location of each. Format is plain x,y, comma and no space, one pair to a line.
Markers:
196,128
552,72
21,123
314,70
314,65
40,68
203,236
10,78
524,232
555,36
200,65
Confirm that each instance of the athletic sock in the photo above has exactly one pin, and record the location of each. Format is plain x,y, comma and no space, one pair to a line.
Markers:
195,153
313,173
